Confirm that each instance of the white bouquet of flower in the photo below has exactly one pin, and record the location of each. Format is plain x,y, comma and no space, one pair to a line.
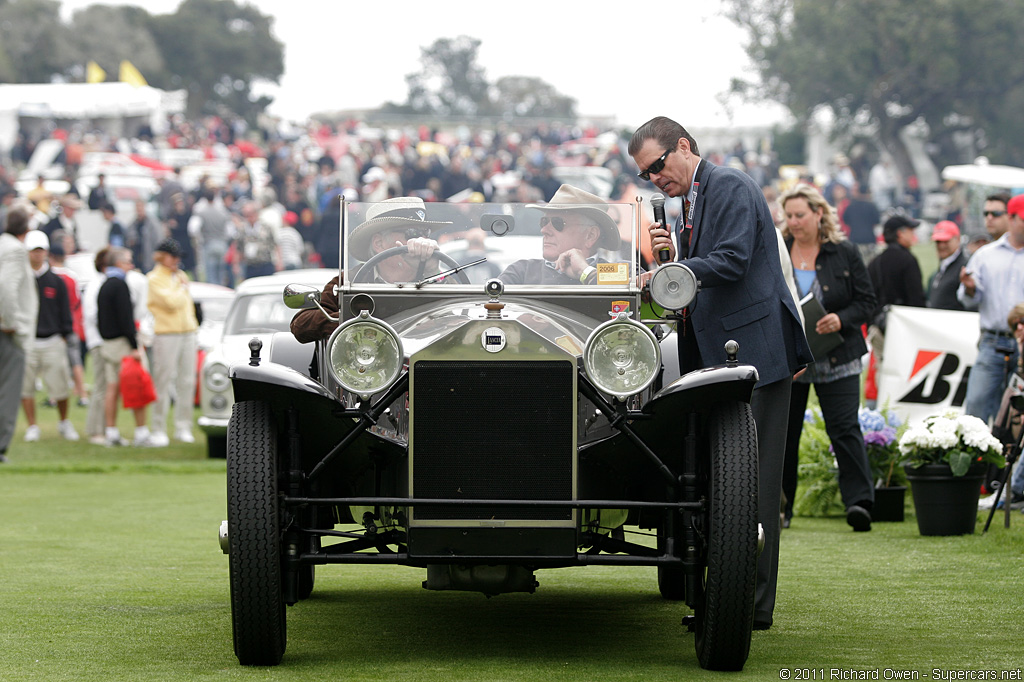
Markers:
955,439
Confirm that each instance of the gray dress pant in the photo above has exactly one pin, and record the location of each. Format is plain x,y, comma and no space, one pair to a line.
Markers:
770,406
12,373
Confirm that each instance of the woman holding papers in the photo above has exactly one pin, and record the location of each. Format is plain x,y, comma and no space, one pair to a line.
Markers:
837,298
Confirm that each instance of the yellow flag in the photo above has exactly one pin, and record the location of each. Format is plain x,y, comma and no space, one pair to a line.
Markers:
129,74
94,73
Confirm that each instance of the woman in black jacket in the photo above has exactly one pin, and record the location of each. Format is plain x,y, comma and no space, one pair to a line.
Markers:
830,268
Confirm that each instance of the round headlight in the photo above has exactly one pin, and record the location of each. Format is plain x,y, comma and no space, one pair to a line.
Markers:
673,286
622,357
365,355
216,377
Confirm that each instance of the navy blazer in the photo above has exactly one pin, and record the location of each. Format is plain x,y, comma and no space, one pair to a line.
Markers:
734,253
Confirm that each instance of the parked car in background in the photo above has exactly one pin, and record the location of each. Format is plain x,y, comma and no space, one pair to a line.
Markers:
256,311
213,302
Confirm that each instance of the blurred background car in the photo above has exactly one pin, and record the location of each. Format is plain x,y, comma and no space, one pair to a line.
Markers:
257,310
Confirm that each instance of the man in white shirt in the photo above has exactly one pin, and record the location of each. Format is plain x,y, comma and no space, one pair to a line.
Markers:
992,283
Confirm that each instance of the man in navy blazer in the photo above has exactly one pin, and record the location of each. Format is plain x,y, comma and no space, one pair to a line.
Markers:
727,238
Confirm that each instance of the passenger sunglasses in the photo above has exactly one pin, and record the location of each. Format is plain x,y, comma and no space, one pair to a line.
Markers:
993,214
656,167
557,223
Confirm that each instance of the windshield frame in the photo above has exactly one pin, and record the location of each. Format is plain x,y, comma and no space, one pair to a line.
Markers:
617,281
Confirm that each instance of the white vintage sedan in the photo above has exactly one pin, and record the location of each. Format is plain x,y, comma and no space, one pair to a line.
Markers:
256,312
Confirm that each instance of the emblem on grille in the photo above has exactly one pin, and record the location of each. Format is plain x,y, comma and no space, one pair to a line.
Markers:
493,339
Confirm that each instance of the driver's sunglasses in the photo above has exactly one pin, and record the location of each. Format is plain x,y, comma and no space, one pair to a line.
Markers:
656,167
414,232
557,223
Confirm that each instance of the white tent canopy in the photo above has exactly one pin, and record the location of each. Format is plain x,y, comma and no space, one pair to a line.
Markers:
86,102
1006,177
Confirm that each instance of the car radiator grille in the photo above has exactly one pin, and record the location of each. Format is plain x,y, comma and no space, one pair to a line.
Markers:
496,430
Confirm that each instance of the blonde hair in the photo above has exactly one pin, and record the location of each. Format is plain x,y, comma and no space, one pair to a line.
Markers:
828,230
1015,316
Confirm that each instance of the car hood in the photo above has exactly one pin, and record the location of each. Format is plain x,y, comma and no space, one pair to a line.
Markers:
423,326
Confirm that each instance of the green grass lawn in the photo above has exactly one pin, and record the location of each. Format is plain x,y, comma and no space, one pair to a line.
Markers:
110,570
118,576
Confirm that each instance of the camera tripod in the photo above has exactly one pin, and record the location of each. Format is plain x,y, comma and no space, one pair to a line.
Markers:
1012,455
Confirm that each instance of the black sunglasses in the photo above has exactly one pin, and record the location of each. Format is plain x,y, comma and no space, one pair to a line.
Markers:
557,223
993,214
656,167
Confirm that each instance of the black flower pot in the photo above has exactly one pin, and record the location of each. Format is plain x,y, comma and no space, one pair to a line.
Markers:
945,504
888,504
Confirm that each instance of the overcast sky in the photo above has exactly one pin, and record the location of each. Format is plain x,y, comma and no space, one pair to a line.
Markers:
611,57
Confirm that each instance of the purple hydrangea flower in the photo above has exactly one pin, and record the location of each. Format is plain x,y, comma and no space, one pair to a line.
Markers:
876,438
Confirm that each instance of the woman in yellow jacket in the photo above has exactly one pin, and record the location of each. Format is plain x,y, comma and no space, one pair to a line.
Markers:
174,344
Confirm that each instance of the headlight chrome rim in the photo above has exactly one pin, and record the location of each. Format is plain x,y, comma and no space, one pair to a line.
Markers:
216,376
596,351
674,286
386,373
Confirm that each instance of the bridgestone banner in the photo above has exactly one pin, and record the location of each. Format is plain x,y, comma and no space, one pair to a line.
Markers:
927,359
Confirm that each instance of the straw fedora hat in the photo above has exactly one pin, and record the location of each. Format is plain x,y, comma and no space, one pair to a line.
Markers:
569,198
390,214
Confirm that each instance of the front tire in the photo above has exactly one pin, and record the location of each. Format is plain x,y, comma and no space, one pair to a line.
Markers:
254,534
725,610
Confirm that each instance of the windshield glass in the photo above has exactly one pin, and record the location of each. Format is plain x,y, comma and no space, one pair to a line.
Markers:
257,313
559,245
215,309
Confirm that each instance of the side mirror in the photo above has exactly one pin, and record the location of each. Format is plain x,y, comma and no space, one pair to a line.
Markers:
301,296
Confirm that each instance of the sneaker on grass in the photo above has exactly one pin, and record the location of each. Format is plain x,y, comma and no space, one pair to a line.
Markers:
32,433
159,439
67,430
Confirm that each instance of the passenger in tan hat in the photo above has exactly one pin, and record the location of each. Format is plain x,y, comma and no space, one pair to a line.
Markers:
575,225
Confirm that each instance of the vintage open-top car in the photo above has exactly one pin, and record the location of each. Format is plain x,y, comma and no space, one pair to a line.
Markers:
491,410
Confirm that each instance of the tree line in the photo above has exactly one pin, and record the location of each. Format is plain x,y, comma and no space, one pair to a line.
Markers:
213,49
951,69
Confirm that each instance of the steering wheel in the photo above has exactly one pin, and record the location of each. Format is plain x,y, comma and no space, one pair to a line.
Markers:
364,272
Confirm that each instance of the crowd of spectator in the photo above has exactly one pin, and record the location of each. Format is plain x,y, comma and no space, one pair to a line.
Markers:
287,215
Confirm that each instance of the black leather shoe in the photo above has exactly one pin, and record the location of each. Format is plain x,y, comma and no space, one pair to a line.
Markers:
762,624
859,518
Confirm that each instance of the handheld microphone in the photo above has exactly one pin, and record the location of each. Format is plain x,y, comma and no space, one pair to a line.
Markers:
658,204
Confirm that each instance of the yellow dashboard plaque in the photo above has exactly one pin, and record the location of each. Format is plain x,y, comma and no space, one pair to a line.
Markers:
613,273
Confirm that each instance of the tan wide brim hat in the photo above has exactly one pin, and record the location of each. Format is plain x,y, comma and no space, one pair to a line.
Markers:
390,214
569,198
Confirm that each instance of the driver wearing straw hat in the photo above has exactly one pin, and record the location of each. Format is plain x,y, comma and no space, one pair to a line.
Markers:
574,226
400,221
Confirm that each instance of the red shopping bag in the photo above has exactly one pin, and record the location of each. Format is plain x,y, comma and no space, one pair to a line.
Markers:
136,384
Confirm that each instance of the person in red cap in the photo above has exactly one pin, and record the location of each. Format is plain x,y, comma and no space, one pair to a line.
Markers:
943,284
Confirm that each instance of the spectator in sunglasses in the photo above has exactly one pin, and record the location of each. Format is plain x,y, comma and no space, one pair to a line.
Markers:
997,220
574,227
